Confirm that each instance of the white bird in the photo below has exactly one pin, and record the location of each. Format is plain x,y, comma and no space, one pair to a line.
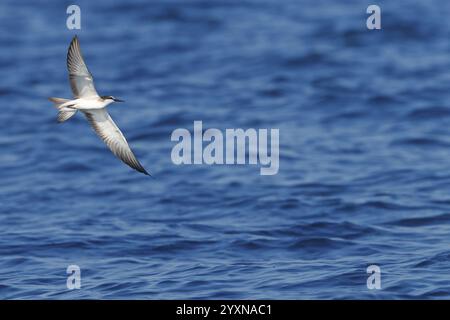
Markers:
93,106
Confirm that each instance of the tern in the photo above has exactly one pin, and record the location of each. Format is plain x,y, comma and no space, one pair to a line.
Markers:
87,101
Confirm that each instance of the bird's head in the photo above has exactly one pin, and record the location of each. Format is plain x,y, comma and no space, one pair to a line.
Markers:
111,98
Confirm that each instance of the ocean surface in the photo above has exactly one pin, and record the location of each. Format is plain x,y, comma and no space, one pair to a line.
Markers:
364,178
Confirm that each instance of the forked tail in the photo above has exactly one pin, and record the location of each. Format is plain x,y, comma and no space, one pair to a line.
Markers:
65,112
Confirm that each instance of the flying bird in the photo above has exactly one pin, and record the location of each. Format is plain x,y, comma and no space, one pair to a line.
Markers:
87,101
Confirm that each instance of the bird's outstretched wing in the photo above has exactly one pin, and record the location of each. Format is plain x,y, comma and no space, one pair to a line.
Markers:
108,131
80,78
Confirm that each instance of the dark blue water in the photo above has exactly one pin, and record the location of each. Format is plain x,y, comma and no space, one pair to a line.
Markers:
364,120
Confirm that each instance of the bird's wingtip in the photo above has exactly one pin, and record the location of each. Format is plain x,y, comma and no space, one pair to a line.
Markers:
141,169
74,39
147,174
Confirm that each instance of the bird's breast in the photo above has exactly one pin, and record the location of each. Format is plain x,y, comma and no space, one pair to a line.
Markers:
86,104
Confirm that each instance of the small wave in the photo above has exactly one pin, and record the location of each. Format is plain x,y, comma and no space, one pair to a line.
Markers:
429,113
320,245
441,258
422,221
420,142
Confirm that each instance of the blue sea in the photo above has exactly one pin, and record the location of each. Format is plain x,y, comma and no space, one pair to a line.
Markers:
364,177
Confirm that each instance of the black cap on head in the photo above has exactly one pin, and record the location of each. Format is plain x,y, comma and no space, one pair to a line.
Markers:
111,98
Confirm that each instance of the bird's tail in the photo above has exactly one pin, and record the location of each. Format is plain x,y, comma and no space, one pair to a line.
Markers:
64,110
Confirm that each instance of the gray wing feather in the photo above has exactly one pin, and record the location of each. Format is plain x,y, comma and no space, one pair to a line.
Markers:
108,131
81,80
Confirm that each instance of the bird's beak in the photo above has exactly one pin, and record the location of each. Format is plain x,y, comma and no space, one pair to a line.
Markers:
118,100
